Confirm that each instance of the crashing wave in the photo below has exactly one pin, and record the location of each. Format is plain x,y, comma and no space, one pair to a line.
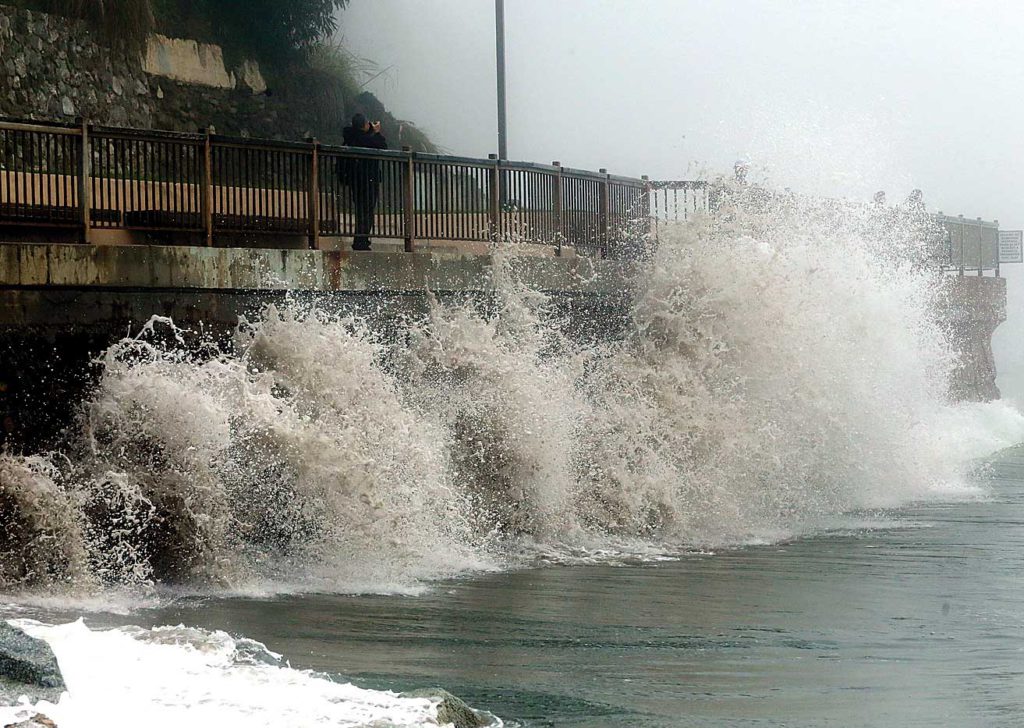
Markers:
780,364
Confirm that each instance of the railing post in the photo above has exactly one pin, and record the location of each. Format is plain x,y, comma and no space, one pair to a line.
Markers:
981,248
206,189
314,194
495,191
409,201
85,183
603,213
645,204
557,204
962,248
948,264
997,247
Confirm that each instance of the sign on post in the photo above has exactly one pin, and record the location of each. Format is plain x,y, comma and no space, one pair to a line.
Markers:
1011,249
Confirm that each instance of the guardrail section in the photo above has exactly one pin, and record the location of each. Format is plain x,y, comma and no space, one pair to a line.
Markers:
230,189
40,175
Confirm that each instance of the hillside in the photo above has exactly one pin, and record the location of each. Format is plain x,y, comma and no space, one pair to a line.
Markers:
261,68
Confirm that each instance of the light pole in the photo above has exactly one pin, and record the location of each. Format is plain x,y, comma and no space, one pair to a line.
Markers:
499,27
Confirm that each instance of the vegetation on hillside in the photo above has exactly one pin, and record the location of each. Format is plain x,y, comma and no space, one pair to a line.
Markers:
292,39
276,31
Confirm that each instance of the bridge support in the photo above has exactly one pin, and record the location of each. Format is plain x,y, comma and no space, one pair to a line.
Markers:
970,308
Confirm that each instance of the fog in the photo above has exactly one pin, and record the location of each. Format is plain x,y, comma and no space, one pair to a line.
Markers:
839,98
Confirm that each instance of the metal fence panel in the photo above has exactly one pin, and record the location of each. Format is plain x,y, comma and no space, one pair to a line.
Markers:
145,181
39,175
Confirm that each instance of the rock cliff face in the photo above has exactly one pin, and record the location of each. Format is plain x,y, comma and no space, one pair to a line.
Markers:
53,68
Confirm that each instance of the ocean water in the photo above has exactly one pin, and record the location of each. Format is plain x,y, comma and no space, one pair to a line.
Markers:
745,507
904,617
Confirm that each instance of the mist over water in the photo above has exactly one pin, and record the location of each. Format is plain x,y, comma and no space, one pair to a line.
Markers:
780,367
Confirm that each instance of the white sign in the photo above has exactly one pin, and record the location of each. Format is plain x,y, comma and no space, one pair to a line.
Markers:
1011,249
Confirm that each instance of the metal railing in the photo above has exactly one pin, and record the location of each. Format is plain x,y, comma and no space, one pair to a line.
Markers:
85,178
971,246
679,200
215,188
963,245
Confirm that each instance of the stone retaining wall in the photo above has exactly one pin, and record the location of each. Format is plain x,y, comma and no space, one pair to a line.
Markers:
53,68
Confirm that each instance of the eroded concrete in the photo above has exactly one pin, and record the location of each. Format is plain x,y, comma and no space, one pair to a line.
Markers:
970,308
62,305
249,269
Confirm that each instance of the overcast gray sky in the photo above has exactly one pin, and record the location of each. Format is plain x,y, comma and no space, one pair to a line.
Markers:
835,97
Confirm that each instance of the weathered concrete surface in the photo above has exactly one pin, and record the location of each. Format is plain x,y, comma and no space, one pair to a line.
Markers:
970,308
188,61
61,305
246,269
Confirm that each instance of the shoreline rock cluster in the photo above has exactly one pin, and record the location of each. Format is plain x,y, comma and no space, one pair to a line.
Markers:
28,668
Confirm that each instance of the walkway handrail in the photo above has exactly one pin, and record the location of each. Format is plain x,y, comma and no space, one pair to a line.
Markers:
957,244
972,245
212,187
209,188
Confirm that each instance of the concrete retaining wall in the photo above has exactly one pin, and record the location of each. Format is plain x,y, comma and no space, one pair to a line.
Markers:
970,308
247,269
61,305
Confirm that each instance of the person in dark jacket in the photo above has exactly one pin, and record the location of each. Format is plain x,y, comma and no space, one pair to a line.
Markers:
363,177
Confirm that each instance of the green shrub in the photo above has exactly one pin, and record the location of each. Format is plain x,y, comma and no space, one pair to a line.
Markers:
278,32
273,31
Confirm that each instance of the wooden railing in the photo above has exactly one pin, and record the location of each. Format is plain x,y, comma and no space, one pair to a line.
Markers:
222,190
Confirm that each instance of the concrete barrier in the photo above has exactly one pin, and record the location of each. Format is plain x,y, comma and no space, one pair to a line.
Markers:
970,308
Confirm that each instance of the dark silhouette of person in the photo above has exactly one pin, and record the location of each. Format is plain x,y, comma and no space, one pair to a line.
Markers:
740,169
363,176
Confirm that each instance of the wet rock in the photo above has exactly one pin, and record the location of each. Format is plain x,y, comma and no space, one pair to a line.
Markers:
36,721
118,116
27,667
451,709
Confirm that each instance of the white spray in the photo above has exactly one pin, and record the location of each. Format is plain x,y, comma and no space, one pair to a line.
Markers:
781,365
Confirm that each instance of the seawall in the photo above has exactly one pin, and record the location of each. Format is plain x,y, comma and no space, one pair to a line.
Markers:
61,305
970,308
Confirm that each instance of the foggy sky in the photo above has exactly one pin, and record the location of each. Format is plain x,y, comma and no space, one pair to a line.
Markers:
838,97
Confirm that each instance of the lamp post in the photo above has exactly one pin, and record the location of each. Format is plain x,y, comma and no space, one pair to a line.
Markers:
499,27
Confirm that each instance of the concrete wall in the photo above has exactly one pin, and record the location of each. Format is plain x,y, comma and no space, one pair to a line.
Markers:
201,64
60,305
116,268
970,308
